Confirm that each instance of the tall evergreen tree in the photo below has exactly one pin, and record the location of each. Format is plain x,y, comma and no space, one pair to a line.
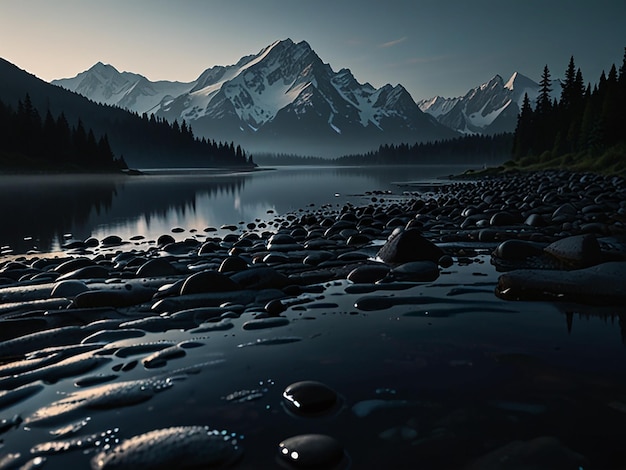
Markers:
544,101
523,132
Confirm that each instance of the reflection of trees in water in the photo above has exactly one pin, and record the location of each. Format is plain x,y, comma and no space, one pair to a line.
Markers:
46,207
608,315
153,196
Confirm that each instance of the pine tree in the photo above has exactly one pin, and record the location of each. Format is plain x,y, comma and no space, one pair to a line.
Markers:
523,131
568,90
544,102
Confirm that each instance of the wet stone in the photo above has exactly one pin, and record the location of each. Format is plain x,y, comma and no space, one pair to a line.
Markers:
309,398
207,281
416,271
311,451
156,267
578,251
409,245
275,307
232,264
517,250
264,323
368,273
68,289
175,447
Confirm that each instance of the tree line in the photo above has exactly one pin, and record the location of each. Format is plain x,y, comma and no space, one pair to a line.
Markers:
29,142
468,149
585,122
178,139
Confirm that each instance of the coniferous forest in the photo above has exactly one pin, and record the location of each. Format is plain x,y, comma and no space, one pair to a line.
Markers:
30,143
49,144
469,149
583,129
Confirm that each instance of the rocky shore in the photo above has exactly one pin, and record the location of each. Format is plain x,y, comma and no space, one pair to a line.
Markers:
105,309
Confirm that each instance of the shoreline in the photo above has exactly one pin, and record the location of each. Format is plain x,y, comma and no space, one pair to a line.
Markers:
316,300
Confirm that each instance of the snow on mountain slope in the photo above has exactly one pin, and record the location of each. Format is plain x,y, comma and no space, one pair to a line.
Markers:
438,105
489,108
105,84
278,99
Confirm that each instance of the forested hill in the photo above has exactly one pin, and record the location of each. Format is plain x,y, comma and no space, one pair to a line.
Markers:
143,142
30,144
584,129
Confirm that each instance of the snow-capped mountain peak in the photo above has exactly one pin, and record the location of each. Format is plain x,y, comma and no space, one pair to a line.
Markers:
489,108
283,98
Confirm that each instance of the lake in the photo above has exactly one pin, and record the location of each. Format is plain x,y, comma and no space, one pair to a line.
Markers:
43,212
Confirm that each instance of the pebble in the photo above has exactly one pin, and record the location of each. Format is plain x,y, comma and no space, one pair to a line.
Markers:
311,451
175,447
309,398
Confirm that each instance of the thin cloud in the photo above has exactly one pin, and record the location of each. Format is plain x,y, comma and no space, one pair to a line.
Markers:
392,43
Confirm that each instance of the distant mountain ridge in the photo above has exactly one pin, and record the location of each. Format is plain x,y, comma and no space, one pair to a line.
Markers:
142,142
105,84
490,108
282,99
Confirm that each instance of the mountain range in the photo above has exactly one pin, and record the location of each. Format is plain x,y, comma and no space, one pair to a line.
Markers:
490,108
282,99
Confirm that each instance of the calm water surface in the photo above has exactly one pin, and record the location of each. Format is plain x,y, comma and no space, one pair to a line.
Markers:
41,212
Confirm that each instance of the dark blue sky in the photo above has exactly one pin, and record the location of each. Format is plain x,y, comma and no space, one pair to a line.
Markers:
432,47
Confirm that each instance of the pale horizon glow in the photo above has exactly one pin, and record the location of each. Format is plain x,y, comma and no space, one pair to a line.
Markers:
430,47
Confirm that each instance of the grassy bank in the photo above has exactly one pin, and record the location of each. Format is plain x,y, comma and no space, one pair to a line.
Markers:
611,162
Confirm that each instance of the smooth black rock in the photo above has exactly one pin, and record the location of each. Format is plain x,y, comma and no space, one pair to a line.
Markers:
311,451
73,265
208,281
368,273
416,271
513,250
274,307
579,251
156,267
88,272
260,278
309,398
264,323
232,264
409,245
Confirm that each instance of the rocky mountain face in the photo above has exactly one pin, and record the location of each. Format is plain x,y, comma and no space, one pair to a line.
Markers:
490,108
283,99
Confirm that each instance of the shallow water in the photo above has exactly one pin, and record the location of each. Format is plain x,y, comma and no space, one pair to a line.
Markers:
432,383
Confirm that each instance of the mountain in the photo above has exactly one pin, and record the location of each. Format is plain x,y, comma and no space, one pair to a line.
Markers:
490,108
282,99
104,84
143,142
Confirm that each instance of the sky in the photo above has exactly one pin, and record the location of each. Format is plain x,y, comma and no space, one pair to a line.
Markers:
431,47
